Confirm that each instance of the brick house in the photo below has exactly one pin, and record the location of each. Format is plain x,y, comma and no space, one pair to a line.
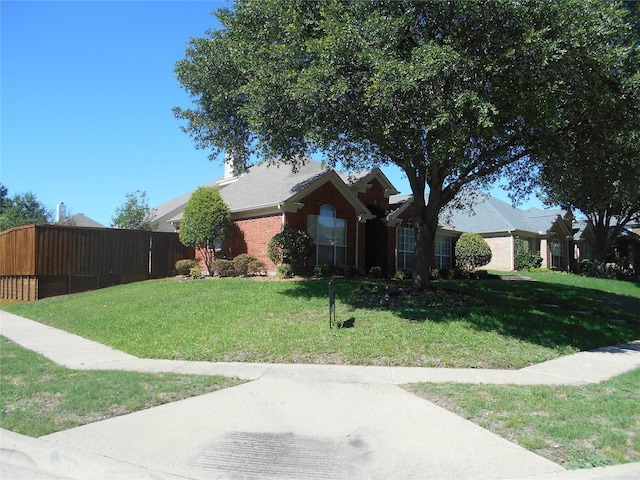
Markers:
361,220
355,219
343,213
509,230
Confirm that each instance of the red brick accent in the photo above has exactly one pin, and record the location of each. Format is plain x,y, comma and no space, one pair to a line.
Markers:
328,194
375,195
252,236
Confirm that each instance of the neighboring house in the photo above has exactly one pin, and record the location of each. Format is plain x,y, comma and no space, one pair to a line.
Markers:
626,251
548,233
80,220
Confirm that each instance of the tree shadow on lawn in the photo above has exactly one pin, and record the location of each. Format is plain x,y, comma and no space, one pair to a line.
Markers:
550,315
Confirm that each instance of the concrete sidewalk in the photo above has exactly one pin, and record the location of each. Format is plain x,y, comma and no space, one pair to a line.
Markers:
293,421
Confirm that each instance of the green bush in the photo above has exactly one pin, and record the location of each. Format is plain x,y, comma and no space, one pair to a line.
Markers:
256,267
245,264
349,271
224,268
452,273
290,246
527,261
472,251
184,266
195,272
284,270
612,270
375,272
482,275
400,275
589,268
321,270
435,274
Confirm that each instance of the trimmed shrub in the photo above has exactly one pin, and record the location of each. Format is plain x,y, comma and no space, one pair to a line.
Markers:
246,264
321,270
184,266
256,267
589,268
400,275
527,261
195,272
375,272
435,274
472,252
612,270
452,273
284,270
290,246
224,268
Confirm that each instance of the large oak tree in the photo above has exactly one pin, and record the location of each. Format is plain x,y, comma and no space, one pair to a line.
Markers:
452,92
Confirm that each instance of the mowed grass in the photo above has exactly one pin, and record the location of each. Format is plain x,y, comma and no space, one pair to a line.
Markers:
577,427
39,397
236,319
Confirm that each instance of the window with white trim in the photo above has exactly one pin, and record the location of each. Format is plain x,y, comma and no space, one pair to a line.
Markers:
444,248
330,236
555,245
406,246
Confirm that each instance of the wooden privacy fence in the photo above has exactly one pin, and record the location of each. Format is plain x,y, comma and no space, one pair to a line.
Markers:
38,261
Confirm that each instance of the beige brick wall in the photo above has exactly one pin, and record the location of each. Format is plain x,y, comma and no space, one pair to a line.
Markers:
501,253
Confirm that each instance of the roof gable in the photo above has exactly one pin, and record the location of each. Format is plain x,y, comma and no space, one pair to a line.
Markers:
268,187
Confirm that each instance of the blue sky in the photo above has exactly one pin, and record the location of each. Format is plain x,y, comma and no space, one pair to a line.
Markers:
87,91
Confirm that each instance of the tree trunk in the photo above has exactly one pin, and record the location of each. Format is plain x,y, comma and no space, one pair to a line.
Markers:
426,225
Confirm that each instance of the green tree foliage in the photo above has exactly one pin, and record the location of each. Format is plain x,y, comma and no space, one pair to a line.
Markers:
291,246
472,252
453,93
596,166
135,213
21,209
205,221
4,192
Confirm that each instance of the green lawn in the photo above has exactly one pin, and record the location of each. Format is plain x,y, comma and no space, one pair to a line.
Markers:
489,324
577,427
235,319
39,397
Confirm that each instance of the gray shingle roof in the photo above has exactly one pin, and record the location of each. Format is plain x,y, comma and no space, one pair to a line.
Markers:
260,186
264,185
490,214
81,220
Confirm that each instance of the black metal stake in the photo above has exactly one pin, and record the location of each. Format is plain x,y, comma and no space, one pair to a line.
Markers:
332,302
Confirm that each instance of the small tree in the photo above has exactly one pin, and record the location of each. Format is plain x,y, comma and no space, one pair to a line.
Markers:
290,246
205,220
135,213
472,251
21,210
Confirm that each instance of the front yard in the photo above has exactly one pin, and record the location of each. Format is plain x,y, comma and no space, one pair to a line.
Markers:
477,324
467,324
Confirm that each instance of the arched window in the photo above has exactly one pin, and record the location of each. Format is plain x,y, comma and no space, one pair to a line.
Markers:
330,236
